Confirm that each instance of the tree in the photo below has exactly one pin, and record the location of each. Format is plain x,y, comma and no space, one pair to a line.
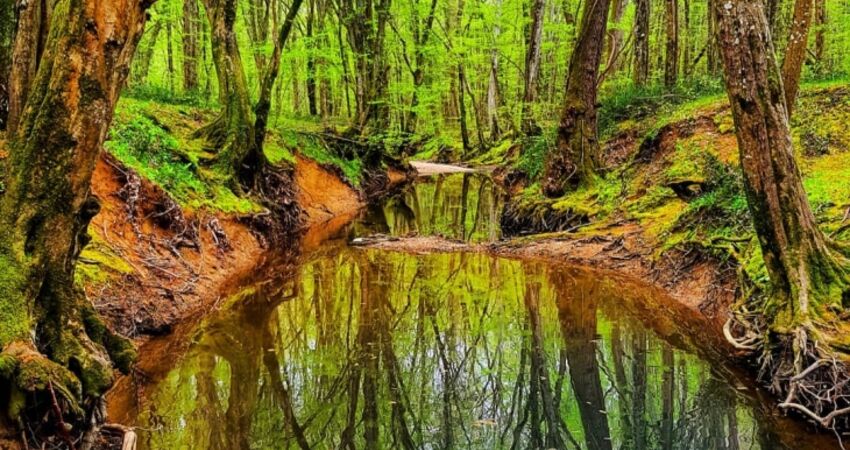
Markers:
574,159
7,41
807,273
641,50
532,67
795,53
231,134
366,22
671,62
50,336
30,41
191,44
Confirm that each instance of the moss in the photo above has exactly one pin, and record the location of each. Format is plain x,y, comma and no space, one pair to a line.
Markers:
14,316
121,350
312,147
98,262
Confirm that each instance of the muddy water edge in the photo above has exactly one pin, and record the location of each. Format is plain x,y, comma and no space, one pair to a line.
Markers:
348,346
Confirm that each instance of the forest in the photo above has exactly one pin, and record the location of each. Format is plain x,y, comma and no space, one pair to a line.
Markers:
566,224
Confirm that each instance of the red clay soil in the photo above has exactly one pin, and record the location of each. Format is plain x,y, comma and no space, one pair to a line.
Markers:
170,282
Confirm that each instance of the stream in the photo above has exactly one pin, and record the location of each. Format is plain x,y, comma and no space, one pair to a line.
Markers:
350,347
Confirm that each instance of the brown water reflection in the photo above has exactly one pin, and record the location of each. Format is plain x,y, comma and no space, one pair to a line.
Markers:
370,349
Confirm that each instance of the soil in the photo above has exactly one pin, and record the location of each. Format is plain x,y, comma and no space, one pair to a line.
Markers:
173,278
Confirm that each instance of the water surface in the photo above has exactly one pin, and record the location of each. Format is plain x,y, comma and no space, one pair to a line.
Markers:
360,348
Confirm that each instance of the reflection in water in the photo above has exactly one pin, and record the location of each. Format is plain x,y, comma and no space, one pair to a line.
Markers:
459,206
364,349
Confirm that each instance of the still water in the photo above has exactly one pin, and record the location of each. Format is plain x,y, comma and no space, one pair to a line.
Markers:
360,348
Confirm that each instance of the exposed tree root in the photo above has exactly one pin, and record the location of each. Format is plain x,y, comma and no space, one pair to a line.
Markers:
810,378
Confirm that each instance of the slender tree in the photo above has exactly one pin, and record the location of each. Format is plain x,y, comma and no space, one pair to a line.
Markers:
574,159
51,336
641,48
532,67
671,62
191,44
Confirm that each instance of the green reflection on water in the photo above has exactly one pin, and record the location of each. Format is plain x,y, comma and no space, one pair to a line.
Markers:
465,207
369,349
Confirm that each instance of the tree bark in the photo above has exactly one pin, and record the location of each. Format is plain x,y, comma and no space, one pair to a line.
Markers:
804,269
532,67
575,157
47,325
8,22
366,23
615,35
30,40
311,62
671,63
795,53
820,35
232,132
191,49
641,50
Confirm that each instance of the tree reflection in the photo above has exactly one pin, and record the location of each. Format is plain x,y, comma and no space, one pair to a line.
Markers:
368,350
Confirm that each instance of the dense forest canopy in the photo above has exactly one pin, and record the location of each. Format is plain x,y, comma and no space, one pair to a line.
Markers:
488,40
224,130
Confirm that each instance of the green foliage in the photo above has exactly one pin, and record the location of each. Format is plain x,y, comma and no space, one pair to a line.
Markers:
532,156
625,102
147,147
159,94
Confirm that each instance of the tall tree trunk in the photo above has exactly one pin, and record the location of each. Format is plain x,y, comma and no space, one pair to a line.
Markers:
820,35
421,38
169,33
191,50
231,134
30,41
257,15
8,21
804,269
641,50
795,53
615,35
532,67
493,97
142,63
575,157
49,329
264,103
311,62
687,67
366,22
671,63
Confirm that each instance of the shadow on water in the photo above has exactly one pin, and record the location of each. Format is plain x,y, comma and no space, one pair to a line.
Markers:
366,349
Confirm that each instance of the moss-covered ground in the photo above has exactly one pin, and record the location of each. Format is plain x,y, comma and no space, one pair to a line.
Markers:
694,144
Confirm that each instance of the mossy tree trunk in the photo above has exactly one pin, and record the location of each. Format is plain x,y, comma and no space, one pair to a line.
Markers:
805,270
7,41
49,333
795,53
574,159
366,23
231,134
191,44
30,41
